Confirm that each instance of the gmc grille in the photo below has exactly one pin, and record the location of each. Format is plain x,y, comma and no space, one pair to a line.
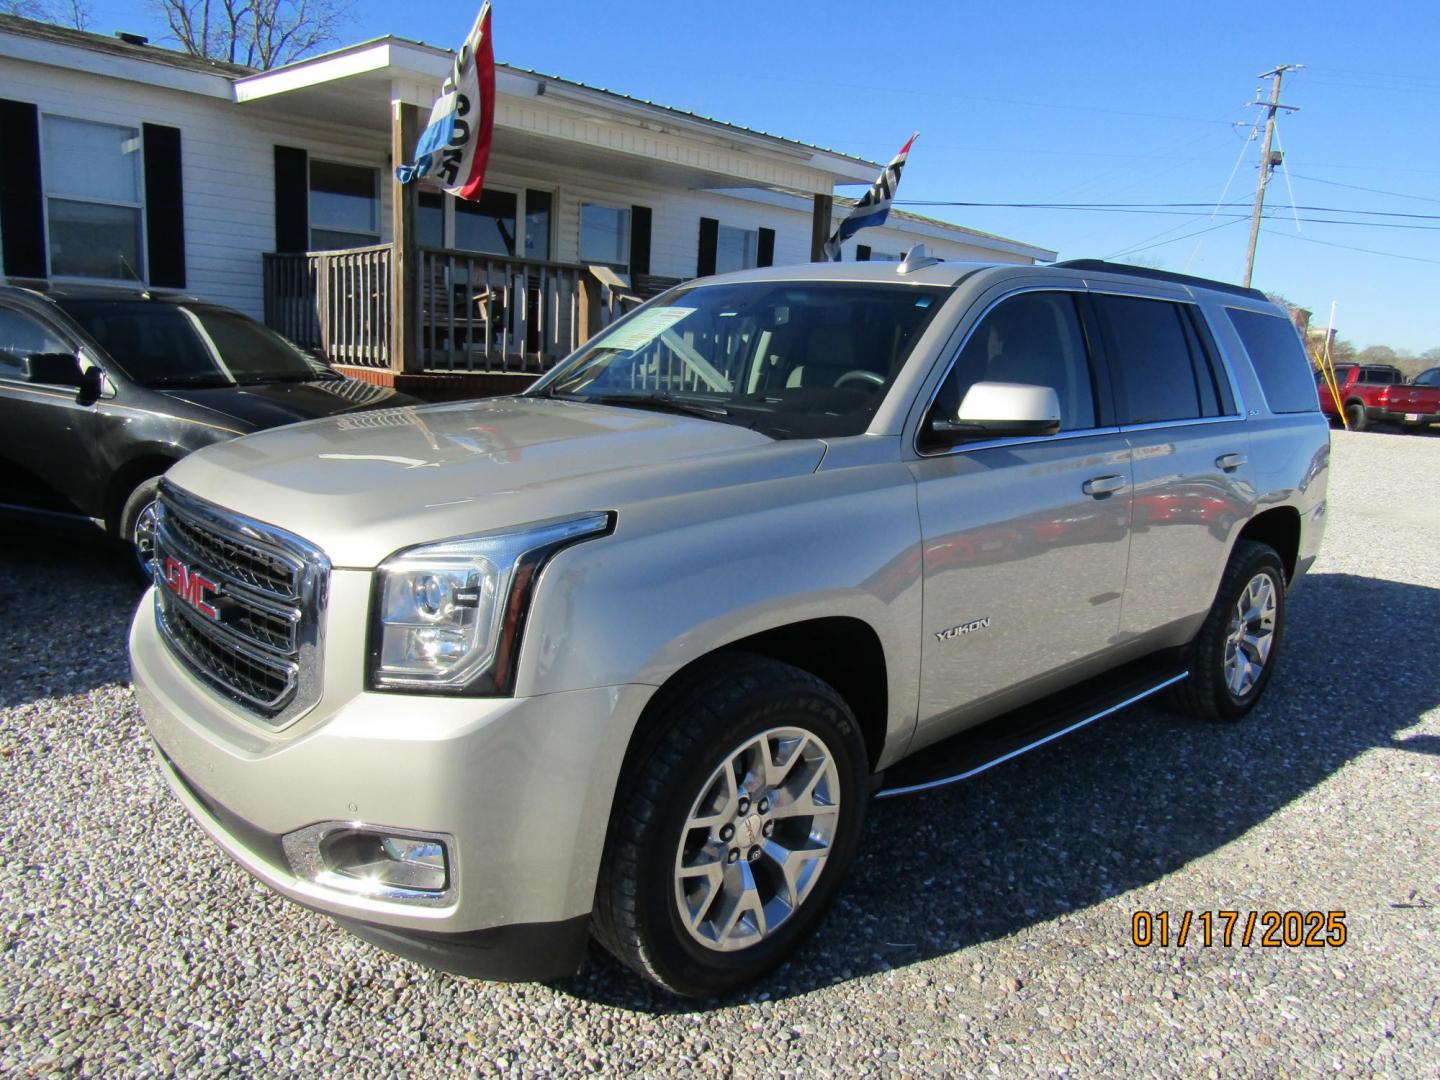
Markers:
239,603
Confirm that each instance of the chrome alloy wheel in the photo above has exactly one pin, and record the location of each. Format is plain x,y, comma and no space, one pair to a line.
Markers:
1250,635
757,837
142,535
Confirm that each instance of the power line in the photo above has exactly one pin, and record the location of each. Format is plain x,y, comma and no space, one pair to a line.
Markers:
1175,240
1372,190
1145,206
1351,247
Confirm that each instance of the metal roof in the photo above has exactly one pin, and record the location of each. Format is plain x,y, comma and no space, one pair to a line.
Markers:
154,54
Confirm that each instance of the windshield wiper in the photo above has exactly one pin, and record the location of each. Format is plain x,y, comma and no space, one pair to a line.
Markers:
658,402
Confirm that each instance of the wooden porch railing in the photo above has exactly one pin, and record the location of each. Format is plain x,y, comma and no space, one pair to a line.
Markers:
335,301
476,313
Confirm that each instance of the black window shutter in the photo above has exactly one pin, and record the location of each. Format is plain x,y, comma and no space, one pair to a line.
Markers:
709,240
292,199
22,211
765,249
164,206
639,241
862,253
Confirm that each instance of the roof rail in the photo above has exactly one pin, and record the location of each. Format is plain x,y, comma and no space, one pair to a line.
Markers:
1100,265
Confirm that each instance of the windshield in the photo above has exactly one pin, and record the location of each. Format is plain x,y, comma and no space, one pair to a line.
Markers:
160,344
789,359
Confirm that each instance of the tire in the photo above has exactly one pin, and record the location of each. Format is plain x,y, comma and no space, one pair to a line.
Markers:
137,522
1355,416
1213,691
713,721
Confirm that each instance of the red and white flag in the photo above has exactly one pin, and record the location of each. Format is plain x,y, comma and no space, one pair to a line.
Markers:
455,145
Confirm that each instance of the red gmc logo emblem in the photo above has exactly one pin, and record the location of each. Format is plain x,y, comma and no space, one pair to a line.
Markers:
191,586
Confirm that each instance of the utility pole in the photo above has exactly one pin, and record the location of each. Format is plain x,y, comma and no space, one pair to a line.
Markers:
1267,160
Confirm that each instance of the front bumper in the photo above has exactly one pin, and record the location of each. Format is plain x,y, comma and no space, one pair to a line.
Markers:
521,786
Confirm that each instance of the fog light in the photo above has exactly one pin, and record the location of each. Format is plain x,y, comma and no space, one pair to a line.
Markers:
388,865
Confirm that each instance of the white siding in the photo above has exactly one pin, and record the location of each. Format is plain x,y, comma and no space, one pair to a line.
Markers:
228,165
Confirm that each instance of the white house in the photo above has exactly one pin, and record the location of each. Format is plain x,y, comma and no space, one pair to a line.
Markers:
272,192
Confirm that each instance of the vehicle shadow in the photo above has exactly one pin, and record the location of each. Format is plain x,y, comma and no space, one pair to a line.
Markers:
1111,808
65,608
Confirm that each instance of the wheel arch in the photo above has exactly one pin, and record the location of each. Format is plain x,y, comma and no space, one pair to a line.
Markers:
841,650
1278,527
128,477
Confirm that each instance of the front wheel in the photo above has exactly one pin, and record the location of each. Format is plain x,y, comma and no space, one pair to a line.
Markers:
1233,656
734,825
137,524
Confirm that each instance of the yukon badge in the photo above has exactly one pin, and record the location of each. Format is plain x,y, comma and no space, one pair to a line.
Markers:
963,628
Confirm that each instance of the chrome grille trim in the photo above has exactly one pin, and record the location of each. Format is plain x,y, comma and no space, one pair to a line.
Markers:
265,652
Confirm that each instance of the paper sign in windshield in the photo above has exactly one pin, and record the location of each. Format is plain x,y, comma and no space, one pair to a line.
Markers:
643,328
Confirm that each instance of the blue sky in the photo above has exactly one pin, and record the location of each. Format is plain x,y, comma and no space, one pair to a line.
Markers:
1053,102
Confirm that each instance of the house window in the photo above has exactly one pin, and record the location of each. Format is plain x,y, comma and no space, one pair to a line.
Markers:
884,256
344,205
605,235
94,199
736,249
488,224
430,219
537,224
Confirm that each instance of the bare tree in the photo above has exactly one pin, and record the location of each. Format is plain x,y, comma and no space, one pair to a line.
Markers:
74,13
257,33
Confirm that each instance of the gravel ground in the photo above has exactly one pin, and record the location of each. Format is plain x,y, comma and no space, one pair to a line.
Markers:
985,930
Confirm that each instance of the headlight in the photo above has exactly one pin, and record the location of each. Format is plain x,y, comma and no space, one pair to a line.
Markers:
448,617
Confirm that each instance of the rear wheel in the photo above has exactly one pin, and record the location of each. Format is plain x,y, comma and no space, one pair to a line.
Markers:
1233,656
1355,416
733,827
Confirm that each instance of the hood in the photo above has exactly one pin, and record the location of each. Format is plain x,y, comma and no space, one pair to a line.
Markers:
362,487
267,405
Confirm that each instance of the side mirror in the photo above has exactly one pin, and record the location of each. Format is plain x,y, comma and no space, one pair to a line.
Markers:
55,369
995,410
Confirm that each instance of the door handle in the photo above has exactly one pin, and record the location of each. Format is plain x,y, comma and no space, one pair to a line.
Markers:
1100,486
1230,462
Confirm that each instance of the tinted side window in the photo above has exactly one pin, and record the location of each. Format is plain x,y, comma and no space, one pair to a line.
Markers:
1032,338
21,337
1150,350
1428,378
1279,360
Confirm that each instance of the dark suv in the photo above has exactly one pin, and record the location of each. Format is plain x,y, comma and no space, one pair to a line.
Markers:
103,389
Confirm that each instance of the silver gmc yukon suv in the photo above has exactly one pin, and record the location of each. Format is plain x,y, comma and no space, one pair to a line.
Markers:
627,655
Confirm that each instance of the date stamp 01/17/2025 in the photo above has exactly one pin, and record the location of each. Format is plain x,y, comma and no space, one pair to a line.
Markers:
1267,929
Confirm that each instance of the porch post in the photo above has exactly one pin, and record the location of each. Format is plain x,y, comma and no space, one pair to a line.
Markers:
820,226
405,126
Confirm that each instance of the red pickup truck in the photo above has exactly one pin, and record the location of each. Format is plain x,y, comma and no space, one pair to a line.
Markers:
1379,394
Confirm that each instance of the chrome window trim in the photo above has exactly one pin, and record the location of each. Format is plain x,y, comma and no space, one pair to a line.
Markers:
312,576
1018,440
1196,421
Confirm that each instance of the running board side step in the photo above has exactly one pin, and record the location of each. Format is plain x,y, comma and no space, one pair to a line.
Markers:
997,741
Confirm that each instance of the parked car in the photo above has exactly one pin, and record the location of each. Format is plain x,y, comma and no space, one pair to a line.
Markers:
629,654
1378,394
103,389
